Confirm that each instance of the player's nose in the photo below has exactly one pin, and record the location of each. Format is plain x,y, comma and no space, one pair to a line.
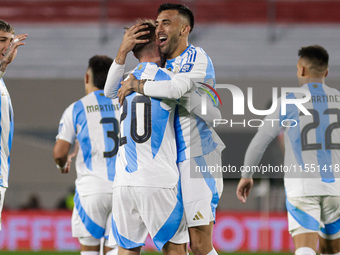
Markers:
159,28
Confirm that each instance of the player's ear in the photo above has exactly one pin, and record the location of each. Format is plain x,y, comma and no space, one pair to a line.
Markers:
303,71
185,30
86,78
326,73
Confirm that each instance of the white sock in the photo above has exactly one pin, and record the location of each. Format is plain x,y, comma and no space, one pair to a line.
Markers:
89,253
305,251
212,252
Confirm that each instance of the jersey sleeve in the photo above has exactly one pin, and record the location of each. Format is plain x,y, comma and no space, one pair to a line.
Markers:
114,77
265,134
192,102
181,83
67,131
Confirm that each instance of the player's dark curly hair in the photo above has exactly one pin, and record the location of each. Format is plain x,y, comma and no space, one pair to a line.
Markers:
5,27
316,55
182,10
100,65
151,36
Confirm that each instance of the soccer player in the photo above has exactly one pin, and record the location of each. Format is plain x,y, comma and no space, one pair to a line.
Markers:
312,153
94,122
198,144
146,189
8,51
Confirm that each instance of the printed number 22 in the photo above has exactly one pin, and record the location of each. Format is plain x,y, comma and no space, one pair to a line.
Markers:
328,133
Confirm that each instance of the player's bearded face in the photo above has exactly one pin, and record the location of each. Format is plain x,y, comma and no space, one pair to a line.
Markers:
168,31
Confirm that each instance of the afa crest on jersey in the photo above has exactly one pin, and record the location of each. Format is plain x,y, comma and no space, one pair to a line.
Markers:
186,68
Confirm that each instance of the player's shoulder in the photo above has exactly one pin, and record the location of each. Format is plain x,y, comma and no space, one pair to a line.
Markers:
145,70
69,110
194,53
331,90
80,105
195,56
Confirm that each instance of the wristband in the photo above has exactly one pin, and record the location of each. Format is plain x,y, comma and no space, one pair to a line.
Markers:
61,167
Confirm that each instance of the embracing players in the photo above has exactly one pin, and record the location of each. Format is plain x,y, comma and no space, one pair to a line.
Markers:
197,143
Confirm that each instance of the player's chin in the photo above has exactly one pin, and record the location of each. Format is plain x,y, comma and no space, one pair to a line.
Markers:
163,49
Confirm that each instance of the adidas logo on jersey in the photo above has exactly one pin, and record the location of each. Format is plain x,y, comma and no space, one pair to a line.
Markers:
198,216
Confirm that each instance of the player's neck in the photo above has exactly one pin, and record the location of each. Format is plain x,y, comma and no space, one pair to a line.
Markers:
183,45
306,80
155,59
91,89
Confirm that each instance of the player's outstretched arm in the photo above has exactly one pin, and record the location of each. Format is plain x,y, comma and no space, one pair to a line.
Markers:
116,72
11,52
243,189
170,89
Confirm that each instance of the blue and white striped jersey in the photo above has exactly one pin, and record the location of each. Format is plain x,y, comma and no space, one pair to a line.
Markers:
312,142
147,153
194,137
94,122
6,130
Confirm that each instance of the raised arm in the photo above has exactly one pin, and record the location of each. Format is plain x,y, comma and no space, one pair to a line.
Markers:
116,72
11,52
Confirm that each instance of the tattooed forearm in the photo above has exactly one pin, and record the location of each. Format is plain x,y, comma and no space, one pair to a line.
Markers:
119,61
140,86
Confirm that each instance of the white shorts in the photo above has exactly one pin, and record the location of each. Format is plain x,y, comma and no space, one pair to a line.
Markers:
138,211
2,199
92,215
202,186
314,214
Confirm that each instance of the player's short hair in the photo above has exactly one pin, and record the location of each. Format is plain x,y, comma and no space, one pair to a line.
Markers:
151,36
5,27
182,10
100,65
316,55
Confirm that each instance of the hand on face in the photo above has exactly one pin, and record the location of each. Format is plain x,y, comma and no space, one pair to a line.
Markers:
11,51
